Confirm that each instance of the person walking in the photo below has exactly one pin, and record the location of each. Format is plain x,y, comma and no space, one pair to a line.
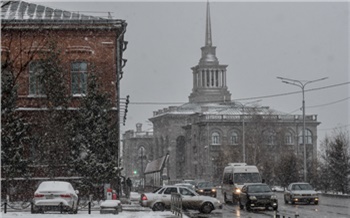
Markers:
128,185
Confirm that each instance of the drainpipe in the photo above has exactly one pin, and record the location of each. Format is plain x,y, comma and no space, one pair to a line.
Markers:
119,73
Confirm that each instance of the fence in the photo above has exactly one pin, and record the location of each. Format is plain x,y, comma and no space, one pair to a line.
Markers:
176,204
8,206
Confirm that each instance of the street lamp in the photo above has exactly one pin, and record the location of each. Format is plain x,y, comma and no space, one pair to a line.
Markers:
301,84
243,126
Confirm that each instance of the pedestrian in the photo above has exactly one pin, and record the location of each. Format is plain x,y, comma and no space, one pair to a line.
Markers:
128,185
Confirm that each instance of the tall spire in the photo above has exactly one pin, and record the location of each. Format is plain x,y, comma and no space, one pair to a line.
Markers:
208,41
209,77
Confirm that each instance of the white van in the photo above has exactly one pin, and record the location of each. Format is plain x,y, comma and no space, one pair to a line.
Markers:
235,176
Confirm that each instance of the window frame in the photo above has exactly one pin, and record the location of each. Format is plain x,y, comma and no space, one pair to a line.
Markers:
308,137
215,138
36,89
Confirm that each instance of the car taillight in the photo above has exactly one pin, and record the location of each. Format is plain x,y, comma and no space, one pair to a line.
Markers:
65,196
143,198
38,195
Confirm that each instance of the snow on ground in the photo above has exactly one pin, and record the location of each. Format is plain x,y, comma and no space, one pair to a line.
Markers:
94,214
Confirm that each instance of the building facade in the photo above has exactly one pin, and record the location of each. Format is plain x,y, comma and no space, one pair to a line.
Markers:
84,43
211,130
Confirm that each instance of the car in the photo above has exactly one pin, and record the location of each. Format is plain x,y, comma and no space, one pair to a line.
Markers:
257,195
55,196
160,199
206,188
111,206
300,192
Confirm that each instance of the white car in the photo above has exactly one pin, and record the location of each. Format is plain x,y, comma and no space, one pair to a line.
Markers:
300,192
161,199
55,196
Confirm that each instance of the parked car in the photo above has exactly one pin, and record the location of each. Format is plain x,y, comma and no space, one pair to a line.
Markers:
300,192
160,199
206,188
257,195
55,196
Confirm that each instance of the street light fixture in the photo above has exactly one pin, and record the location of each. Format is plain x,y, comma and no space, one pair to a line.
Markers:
301,84
243,126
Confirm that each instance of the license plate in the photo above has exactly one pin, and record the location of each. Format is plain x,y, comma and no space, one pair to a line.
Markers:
49,196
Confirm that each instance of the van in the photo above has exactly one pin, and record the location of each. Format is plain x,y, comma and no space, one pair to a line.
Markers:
235,175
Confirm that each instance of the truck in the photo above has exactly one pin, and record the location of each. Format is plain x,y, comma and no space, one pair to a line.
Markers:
235,175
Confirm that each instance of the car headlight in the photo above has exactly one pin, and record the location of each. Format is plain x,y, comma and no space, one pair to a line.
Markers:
213,190
200,190
238,190
252,197
273,197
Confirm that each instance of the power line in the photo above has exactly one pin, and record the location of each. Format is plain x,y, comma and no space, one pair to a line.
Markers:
249,98
322,105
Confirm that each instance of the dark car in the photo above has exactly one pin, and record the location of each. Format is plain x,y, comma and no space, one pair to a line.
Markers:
257,196
206,188
300,192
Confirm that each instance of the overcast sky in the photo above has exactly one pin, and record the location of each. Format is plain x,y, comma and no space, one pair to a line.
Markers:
257,40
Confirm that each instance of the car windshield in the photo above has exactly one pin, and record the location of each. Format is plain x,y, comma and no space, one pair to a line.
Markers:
302,187
205,184
259,188
156,190
247,178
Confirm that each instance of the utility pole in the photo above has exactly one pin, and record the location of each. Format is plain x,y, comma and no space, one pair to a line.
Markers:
301,84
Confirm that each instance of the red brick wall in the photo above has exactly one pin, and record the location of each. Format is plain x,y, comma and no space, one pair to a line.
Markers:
95,47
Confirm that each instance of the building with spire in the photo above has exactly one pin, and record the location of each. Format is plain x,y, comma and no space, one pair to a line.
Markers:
202,136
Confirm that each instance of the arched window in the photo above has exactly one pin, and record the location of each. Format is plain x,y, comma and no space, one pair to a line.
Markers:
234,138
270,137
215,138
288,138
308,137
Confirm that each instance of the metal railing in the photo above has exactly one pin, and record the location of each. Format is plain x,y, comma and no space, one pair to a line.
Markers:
176,204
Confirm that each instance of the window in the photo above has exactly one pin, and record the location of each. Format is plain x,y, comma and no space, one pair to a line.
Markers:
79,78
215,138
308,137
234,138
168,191
35,85
288,138
270,137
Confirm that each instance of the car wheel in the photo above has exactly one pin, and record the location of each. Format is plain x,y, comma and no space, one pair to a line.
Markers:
316,202
206,208
285,200
158,207
275,208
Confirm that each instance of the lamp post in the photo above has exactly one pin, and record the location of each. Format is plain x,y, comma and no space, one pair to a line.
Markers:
243,127
301,84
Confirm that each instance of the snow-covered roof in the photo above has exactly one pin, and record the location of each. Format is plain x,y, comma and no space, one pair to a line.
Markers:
229,108
21,10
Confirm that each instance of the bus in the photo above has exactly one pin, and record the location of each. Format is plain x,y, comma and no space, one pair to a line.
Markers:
235,175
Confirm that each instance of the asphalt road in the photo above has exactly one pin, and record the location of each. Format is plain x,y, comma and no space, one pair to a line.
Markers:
328,207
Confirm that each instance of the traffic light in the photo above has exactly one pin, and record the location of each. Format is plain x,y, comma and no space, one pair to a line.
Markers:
135,172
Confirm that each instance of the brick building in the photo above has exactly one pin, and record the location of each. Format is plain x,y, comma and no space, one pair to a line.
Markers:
211,130
84,42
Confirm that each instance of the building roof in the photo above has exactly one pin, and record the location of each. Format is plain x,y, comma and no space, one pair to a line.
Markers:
21,10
